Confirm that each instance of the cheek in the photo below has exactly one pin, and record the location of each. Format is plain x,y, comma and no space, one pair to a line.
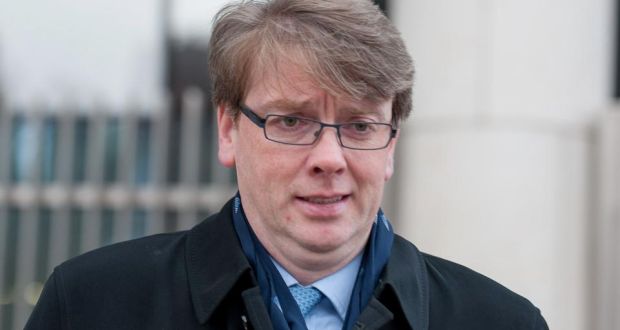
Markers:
372,168
267,167
251,166
368,175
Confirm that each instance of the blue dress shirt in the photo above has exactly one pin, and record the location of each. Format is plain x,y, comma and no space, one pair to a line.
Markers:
330,313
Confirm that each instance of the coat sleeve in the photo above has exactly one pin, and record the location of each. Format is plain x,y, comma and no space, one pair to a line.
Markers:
47,313
540,324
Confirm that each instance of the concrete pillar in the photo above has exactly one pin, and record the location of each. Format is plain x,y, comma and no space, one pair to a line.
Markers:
494,169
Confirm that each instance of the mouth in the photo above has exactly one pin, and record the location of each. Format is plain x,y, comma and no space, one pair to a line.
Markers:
323,200
327,206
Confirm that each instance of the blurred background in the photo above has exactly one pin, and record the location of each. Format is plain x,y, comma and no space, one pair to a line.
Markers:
508,165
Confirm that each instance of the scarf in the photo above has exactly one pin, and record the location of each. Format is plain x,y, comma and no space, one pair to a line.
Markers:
288,316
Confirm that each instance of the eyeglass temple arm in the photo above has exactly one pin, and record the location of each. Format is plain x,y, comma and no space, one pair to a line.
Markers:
253,117
394,131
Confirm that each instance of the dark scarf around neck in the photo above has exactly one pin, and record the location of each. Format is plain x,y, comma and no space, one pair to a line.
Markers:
288,316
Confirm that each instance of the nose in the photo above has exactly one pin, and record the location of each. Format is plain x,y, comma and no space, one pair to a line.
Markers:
327,155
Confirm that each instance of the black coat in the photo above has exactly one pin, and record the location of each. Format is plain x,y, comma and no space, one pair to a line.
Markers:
200,279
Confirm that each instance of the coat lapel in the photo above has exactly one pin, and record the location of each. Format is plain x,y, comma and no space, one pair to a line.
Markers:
375,315
257,312
405,276
216,265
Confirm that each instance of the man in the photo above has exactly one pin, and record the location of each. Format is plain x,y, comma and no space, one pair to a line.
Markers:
309,96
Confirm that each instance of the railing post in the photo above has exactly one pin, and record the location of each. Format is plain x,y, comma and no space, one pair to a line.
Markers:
89,194
159,157
191,124
58,194
5,129
124,186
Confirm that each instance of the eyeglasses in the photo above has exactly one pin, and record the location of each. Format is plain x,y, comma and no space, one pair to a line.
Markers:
303,131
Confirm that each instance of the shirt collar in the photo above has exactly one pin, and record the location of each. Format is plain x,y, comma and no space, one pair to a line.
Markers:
337,287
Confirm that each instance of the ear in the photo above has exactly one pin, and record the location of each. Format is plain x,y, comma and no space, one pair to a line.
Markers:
225,132
389,165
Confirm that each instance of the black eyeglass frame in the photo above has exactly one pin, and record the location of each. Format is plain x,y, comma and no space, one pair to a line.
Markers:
260,122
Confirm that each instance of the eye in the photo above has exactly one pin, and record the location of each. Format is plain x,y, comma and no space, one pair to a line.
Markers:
361,127
290,121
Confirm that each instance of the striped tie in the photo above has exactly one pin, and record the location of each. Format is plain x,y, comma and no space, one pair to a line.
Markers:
306,297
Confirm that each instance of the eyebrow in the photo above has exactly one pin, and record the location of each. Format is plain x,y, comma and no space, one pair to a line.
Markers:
364,111
286,104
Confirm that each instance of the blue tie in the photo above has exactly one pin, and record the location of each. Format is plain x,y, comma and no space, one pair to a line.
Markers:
306,297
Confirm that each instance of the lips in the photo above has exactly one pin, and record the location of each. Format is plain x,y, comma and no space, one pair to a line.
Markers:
323,200
327,206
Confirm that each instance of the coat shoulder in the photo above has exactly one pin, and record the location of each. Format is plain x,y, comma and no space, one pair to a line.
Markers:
132,256
146,254
115,287
459,295
124,274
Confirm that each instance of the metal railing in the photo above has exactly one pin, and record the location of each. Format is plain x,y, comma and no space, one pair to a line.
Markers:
73,180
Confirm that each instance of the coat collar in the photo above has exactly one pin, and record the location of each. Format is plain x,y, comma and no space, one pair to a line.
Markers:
216,265
405,277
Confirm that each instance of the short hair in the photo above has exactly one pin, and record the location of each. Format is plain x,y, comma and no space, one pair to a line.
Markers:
349,47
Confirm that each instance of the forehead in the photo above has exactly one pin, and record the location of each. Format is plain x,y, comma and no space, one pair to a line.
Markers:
288,85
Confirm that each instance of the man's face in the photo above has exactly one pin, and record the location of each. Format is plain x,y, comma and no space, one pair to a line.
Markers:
306,200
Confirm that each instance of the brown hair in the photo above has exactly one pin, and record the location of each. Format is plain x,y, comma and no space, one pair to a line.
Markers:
347,46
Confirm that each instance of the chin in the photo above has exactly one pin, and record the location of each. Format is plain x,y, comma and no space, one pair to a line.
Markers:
321,248
322,243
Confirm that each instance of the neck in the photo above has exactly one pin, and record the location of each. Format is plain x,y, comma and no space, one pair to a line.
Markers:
307,271
307,265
